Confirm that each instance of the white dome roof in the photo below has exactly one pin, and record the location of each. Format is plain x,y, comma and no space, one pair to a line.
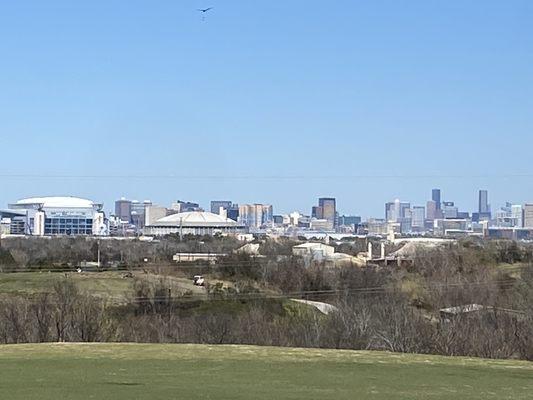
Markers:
57,202
195,218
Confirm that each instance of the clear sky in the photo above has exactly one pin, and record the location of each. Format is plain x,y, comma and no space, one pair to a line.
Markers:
267,101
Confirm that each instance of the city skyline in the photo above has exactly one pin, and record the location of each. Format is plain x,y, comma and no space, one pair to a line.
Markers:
110,207
51,216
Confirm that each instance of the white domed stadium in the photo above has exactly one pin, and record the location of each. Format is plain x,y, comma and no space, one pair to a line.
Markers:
55,202
194,223
61,215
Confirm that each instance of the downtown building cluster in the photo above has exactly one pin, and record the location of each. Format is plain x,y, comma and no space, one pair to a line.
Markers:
50,216
443,218
132,217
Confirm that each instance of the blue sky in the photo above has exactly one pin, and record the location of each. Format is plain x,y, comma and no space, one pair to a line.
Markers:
376,99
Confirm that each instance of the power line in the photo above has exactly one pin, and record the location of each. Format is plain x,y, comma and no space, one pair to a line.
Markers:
266,177
149,269
183,298
503,285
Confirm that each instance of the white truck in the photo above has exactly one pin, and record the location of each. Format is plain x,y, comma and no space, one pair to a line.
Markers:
198,280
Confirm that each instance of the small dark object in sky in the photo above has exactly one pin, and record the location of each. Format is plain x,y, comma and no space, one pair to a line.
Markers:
204,11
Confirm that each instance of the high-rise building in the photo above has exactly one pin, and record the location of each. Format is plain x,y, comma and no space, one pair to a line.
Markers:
185,206
483,202
398,213
405,210
233,212
397,210
528,215
329,209
431,208
255,215
317,212
517,213
231,209
216,205
123,210
435,196
483,213
390,211
418,218
138,211
509,216
449,210
152,213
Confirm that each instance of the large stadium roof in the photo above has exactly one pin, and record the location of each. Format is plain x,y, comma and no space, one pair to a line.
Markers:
56,202
195,218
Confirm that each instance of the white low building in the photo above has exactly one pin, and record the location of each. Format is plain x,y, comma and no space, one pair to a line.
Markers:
192,257
315,251
323,253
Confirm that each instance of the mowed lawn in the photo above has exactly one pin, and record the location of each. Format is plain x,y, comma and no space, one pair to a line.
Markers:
151,371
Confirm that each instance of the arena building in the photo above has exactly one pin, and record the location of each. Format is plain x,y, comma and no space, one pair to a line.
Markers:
194,223
48,216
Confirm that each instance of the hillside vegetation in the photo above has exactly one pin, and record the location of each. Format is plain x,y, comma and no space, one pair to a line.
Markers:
488,285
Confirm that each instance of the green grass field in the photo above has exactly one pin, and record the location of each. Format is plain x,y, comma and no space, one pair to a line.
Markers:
110,285
106,283
133,371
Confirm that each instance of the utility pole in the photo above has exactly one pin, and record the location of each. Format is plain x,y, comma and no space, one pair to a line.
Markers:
98,257
169,302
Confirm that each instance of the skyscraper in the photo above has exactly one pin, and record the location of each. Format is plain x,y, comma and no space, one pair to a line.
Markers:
326,209
418,218
483,203
390,211
255,215
517,213
137,212
397,210
528,216
431,210
217,204
232,210
123,210
317,212
329,208
435,196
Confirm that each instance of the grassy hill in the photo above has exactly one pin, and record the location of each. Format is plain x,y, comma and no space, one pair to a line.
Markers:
147,371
